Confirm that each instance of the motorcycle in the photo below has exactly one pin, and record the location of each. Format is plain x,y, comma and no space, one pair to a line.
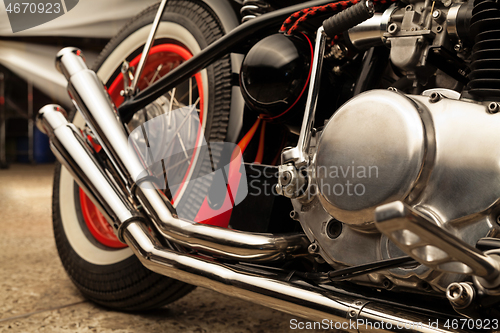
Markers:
334,160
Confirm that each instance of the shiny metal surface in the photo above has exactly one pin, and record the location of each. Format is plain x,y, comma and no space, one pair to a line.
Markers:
451,19
458,189
300,299
91,99
448,93
291,182
386,17
460,295
253,8
466,165
299,155
93,102
145,52
367,34
74,153
431,245
371,152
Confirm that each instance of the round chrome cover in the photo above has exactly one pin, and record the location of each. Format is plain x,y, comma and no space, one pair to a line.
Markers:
370,153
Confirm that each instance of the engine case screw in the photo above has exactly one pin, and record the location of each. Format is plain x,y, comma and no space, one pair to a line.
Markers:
286,178
434,97
387,284
458,47
493,107
460,295
294,215
393,28
436,14
313,248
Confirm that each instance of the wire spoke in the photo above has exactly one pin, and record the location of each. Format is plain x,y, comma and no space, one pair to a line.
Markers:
158,69
179,163
182,145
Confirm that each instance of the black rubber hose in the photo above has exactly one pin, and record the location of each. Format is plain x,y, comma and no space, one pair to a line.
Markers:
348,18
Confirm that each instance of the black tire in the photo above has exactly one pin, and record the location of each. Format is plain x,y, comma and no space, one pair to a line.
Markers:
115,278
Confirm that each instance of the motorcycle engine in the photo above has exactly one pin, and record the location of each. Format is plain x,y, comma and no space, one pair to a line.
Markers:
435,151
431,151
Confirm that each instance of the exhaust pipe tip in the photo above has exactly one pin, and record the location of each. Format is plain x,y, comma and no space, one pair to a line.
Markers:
51,116
68,64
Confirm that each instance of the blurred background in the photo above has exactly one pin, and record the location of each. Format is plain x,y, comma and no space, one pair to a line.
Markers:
28,78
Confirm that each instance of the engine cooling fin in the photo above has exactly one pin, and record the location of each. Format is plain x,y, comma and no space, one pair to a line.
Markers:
485,65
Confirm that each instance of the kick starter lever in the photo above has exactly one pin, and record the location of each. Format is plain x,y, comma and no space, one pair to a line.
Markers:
433,246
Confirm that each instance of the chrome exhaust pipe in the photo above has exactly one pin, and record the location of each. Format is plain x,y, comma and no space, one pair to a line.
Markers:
94,103
325,305
332,309
71,149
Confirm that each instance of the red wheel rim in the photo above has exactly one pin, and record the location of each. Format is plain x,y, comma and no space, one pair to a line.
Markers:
160,54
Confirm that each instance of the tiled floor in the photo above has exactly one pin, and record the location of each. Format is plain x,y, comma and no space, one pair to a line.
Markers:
37,296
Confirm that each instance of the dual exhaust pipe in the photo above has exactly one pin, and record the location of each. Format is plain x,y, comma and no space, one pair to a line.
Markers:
114,189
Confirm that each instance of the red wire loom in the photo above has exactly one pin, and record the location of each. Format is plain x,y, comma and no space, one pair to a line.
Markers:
292,23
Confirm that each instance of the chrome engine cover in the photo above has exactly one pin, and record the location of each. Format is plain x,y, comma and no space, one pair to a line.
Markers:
370,153
439,155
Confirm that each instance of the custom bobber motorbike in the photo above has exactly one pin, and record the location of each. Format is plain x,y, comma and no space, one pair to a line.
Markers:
336,160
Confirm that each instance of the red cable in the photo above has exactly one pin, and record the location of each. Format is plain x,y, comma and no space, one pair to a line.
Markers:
260,152
243,144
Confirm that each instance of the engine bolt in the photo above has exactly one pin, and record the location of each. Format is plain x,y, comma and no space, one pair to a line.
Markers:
434,97
387,284
493,107
286,178
393,28
460,295
458,47
436,14
313,248
294,215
